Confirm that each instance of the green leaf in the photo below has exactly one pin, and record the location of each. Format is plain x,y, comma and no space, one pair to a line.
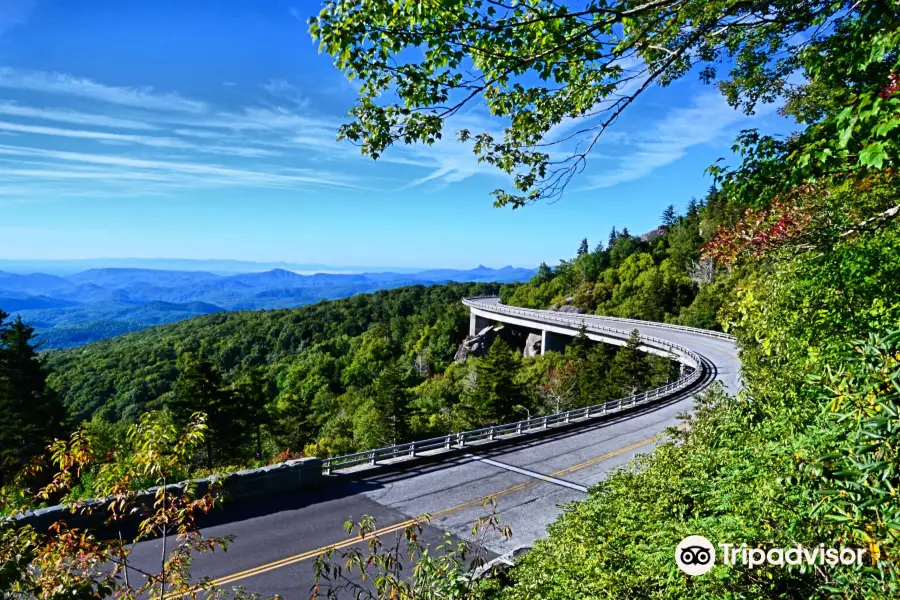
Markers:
873,155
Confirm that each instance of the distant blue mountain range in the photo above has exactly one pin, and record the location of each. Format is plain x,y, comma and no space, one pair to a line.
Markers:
101,303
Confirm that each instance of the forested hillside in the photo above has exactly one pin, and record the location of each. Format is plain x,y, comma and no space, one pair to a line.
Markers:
658,276
119,379
336,377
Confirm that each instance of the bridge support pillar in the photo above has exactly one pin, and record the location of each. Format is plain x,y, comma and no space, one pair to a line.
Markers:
477,323
552,341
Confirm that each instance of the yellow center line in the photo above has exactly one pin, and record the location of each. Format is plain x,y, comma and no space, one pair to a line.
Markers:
398,526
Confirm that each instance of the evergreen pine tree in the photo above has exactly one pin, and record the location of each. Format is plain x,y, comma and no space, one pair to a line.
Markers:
613,235
580,347
251,398
391,401
631,365
496,392
30,414
669,216
199,388
583,247
693,208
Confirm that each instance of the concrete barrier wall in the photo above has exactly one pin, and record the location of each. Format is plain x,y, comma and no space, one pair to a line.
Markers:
239,486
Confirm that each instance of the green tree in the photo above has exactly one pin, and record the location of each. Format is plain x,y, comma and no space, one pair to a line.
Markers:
624,246
669,216
580,347
391,400
544,274
685,241
631,367
200,389
30,414
496,390
252,398
583,247
589,370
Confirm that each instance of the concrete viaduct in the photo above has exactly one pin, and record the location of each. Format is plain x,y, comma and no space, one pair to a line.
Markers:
675,342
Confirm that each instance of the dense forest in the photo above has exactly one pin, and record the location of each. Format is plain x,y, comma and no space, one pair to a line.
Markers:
327,379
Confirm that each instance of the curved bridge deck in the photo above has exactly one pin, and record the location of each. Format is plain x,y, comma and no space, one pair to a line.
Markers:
717,349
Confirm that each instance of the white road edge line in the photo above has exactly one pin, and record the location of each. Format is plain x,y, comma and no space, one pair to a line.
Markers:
534,474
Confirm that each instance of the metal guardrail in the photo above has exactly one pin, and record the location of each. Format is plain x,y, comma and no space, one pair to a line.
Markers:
531,425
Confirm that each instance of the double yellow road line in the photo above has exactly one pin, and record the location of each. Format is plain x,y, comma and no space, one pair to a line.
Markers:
284,562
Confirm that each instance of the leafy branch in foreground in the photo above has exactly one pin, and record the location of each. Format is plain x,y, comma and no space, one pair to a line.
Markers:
69,562
559,76
374,569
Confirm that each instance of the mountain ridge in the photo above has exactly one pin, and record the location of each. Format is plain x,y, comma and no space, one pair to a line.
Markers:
104,302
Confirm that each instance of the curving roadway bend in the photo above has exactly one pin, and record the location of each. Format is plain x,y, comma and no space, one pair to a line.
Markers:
276,541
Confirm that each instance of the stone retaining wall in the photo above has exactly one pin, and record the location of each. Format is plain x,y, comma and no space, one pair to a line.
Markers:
239,486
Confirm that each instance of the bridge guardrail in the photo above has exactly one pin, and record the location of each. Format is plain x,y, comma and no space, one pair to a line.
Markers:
697,330
530,425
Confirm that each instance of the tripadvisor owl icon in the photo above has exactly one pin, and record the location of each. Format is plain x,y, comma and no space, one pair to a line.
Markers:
695,555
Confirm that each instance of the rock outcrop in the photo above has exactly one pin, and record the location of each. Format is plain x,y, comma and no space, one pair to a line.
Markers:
477,344
532,345
653,234
568,308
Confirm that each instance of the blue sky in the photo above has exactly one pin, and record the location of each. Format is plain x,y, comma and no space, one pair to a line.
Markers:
206,129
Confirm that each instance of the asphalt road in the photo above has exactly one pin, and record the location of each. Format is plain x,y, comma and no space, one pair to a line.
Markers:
276,541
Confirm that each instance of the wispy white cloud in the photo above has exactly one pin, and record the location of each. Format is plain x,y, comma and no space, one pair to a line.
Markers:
261,119
282,90
159,142
198,133
707,120
449,160
144,140
61,83
634,74
175,134
74,117
206,174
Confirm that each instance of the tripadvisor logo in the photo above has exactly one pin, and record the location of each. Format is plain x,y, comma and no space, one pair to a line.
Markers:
696,555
